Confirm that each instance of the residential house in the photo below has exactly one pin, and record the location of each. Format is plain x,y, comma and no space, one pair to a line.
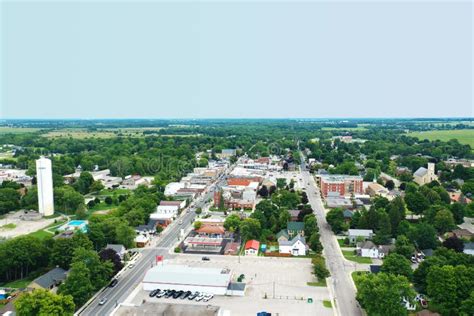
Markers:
296,247
368,249
462,233
425,175
118,248
347,215
50,280
231,248
148,228
295,228
251,247
364,234
294,215
282,235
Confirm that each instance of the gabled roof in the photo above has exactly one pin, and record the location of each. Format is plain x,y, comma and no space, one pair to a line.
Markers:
118,248
361,232
283,233
252,244
50,278
295,226
420,172
171,203
293,241
366,245
294,213
347,214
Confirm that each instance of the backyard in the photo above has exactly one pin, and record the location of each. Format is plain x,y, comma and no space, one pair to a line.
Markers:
350,255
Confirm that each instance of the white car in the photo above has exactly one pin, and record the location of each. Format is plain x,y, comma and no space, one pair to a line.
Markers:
200,297
207,297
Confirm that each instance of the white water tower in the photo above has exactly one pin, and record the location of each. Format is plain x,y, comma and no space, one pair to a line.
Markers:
44,176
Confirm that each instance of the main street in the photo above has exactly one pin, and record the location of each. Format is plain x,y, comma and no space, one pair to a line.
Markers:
132,277
343,287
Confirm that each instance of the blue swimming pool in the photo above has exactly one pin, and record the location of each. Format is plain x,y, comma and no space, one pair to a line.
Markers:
76,223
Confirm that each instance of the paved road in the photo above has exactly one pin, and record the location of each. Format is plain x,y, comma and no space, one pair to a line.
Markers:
162,244
344,290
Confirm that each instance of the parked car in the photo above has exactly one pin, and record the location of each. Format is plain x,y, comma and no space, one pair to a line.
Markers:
170,293
207,297
154,292
161,293
130,266
206,259
193,296
178,294
113,283
103,301
180,222
185,295
199,297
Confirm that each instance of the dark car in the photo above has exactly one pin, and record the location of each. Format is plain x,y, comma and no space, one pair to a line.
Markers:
113,283
185,295
177,294
193,296
170,293
154,292
206,259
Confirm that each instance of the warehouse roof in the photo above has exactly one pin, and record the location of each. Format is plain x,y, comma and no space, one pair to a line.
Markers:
184,275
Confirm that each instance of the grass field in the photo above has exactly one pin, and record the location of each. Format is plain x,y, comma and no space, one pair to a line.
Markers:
18,284
464,136
8,226
17,130
78,133
349,255
358,128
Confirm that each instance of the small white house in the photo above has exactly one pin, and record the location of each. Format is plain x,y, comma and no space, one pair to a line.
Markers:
362,233
252,247
368,249
296,247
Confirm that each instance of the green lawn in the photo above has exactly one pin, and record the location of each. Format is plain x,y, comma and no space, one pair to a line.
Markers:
102,207
17,130
18,284
41,234
9,226
341,244
114,192
319,283
349,255
327,303
464,136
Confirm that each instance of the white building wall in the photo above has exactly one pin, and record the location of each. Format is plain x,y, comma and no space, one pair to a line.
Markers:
216,290
369,253
44,175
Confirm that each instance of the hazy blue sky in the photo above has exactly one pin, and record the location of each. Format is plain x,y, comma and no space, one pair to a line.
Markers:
155,59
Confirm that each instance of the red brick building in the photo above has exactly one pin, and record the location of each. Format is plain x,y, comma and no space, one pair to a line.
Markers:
341,185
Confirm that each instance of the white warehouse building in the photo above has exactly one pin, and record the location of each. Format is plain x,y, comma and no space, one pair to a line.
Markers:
179,277
44,175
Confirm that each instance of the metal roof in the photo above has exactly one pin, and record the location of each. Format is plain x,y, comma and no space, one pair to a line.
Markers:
185,275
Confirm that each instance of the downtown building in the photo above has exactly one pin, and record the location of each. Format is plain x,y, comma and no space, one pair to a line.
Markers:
333,185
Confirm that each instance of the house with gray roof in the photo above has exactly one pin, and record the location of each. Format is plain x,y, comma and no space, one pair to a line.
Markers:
282,235
118,248
363,234
296,247
50,280
295,228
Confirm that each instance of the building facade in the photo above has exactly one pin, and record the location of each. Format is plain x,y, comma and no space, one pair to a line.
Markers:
341,185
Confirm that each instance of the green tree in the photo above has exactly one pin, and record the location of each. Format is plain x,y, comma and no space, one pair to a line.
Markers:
78,284
315,243
404,247
100,271
67,200
232,223
468,187
9,200
63,249
398,265
250,229
381,294
125,235
424,235
319,267
416,202
444,221
310,225
335,219
44,303
197,225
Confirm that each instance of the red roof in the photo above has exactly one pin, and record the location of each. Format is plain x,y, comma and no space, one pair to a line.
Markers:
210,229
238,182
252,244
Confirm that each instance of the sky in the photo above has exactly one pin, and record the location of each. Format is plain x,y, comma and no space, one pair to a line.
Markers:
236,59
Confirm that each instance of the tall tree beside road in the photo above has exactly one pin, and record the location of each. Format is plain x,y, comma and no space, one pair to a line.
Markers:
78,284
382,293
63,249
44,302
232,222
398,265
100,271
335,219
125,235
112,256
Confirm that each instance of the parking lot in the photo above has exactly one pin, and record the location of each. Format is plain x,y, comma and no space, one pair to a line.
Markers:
275,285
